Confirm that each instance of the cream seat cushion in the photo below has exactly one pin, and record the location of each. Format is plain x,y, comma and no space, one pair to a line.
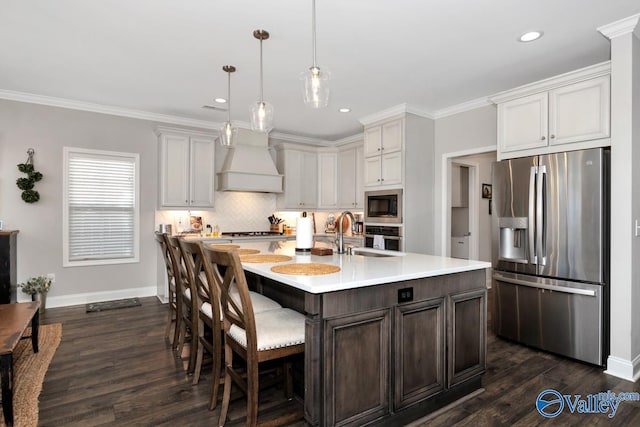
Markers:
274,329
260,303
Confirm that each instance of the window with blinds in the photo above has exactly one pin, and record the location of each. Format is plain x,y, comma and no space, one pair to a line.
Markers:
101,207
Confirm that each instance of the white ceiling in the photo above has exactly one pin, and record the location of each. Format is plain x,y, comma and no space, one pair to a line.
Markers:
165,57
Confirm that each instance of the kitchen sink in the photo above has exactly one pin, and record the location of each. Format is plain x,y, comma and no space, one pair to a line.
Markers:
375,253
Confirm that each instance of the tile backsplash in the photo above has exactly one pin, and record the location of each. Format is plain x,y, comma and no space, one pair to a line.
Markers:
239,211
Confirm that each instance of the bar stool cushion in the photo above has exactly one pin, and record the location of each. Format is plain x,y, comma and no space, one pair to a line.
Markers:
274,329
260,303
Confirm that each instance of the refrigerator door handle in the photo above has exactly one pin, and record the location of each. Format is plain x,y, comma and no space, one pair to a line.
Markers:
532,212
541,207
565,289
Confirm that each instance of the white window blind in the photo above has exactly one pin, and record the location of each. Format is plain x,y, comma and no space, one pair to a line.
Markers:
101,207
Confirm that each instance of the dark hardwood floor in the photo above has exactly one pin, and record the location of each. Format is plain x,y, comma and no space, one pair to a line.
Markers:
114,368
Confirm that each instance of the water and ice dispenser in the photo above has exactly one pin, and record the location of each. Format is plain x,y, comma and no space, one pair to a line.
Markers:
513,239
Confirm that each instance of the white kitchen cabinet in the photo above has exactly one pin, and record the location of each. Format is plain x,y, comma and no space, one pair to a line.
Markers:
327,180
300,170
383,138
383,153
186,170
350,178
522,123
383,170
460,247
580,111
544,117
459,186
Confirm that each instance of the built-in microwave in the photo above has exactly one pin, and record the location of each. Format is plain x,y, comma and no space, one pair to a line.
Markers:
383,206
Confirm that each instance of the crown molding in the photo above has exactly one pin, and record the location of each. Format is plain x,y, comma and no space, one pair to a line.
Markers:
105,109
161,129
590,72
462,107
620,27
287,137
393,112
358,137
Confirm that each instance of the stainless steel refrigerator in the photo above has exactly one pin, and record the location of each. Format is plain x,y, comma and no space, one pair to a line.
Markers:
551,252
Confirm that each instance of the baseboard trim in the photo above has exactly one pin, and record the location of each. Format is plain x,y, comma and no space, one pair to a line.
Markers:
626,369
89,297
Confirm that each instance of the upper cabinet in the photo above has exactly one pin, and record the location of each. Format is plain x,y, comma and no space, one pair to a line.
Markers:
350,178
544,117
327,180
300,170
383,153
186,169
459,186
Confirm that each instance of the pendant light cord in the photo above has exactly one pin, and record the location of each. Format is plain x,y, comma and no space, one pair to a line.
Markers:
313,30
261,88
229,96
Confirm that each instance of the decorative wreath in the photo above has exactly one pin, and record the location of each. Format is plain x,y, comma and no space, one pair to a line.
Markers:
29,195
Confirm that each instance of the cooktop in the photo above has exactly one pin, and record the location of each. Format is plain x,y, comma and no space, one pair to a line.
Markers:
249,233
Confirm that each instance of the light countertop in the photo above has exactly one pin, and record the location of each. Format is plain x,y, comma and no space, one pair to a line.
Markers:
356,270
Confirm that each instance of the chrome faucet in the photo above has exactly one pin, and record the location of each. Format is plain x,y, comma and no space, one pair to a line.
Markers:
340,239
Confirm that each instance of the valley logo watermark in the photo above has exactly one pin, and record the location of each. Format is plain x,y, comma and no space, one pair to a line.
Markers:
550,403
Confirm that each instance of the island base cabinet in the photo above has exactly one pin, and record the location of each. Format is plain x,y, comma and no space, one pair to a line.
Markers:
420,351
357,368
372,360
468,329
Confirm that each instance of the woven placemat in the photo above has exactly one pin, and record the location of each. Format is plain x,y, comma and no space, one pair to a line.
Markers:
265,258
223,246
245,251
306,269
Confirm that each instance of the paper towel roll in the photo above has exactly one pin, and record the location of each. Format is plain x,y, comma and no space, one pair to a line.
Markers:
304,233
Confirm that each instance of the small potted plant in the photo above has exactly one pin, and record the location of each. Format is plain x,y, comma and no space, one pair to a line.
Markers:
37,287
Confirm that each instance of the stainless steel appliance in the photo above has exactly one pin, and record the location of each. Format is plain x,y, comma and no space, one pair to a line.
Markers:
551,252
392,236
383,206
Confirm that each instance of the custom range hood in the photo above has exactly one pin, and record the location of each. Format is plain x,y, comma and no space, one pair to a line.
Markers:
249,166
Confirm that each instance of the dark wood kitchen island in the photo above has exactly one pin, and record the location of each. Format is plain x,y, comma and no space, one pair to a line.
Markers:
388,339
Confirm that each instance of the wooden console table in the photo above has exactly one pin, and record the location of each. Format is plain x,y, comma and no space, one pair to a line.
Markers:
14,319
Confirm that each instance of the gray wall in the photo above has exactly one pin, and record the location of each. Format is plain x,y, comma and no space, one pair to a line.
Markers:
47,130
418,210
465,134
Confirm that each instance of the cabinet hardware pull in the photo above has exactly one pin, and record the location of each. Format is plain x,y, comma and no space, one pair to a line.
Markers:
553,136
379,148
543,138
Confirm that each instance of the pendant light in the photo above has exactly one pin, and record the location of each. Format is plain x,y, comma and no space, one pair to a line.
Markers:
228,132
316,82
261,111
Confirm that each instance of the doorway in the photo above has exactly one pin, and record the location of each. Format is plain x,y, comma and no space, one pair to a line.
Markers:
460,218
478,166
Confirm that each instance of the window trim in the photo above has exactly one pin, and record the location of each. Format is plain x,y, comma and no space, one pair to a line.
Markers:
67,152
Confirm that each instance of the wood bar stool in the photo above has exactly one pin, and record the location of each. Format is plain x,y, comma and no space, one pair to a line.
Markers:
255,337
188,303
209,314
174,308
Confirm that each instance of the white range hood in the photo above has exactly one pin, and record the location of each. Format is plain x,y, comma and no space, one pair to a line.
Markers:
249,165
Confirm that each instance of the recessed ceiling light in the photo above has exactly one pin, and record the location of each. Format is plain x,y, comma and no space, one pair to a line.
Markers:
344,110
530,36
221,100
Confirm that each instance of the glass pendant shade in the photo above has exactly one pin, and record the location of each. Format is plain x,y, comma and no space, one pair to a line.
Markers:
315,81
261,116
227,134
316,87
261,111
227,131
